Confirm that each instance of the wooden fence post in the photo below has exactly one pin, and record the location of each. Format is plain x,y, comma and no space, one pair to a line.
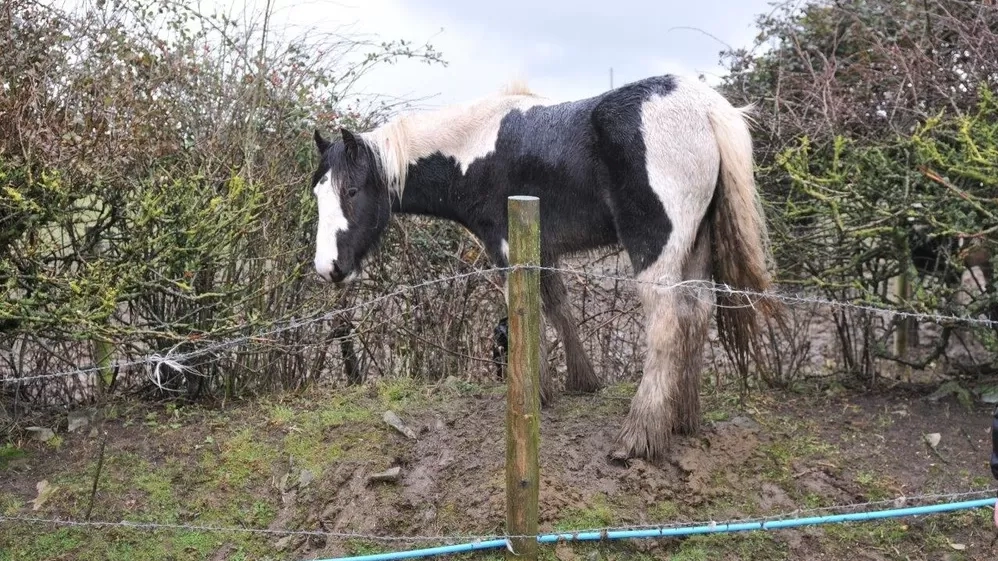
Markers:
523,402
906,335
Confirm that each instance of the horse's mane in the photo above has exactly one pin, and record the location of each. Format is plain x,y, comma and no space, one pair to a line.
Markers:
399,142
516,87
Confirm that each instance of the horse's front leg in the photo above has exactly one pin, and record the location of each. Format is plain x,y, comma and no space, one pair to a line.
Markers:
500,346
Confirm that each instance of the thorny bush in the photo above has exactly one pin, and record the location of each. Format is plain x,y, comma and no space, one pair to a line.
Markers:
154,166
876,142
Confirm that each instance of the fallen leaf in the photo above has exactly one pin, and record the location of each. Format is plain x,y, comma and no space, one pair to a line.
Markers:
44,492
958,546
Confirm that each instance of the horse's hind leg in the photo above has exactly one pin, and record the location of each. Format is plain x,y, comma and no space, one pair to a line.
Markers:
694,306
500,357
500,350
659,199
676,323
580,376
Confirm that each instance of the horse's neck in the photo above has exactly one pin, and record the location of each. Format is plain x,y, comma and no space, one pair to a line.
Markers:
451,130
428,190
431,142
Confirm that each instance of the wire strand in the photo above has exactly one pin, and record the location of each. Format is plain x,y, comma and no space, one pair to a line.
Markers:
455,538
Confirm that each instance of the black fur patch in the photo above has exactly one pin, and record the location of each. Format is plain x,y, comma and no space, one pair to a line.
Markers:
584,159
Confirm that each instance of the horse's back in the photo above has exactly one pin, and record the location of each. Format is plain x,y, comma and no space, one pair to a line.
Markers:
584,159
569,141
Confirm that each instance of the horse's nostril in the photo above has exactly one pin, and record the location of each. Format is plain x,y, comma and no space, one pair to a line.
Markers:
337,272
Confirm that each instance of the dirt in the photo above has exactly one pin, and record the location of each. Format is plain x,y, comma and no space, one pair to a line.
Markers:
773,454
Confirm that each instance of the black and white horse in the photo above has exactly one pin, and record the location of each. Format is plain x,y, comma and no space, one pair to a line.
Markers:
662,166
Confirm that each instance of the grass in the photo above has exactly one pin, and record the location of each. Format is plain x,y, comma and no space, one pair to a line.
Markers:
886,534
9,453
599,514
121,544
243,456
664,512
399,392
225,476
746,546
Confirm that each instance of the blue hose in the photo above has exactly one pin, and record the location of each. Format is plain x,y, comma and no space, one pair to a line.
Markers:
672,532
442,550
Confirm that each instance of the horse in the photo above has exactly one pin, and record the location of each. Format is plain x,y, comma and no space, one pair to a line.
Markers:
662,166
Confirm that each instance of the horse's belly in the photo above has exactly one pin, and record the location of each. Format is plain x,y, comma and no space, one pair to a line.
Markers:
578,225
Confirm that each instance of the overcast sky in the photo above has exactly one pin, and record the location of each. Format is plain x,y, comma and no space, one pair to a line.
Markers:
563,49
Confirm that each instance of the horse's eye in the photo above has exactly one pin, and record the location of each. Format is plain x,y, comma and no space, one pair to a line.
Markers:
352,192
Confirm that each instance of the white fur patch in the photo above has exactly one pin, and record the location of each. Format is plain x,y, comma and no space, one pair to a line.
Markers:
465,132
682,165
332,221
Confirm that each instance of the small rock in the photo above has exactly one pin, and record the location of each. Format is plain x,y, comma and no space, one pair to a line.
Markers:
305,477
396,423
446,459
78,419
42,434
744,423
989,394
390,475
933,439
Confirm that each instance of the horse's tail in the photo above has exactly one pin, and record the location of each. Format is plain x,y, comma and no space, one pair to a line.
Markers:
742,255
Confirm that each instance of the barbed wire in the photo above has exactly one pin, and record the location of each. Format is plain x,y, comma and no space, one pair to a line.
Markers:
169,358
175,360
776,295
452,538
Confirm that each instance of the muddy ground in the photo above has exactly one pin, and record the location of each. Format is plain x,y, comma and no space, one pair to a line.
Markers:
305,462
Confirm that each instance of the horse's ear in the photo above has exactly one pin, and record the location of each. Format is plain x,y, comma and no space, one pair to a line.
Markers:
320,143
349,142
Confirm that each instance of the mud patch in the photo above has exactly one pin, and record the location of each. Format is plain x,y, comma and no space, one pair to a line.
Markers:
723,448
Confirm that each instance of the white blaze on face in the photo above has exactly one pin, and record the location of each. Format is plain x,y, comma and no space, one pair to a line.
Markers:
332,221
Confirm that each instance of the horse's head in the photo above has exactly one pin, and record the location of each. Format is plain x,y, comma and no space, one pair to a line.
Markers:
354,206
